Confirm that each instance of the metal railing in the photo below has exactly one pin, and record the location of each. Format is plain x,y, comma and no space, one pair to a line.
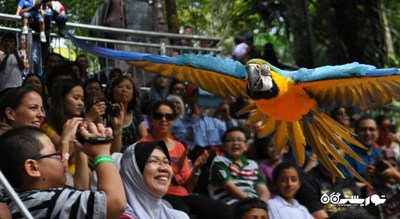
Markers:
160,47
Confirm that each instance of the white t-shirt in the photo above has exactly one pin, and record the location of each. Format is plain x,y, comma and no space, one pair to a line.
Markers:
278,208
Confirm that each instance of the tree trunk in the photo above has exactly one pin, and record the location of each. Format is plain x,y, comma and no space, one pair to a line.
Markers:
299,24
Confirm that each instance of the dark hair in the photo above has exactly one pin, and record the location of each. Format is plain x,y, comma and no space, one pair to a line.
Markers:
12,98
362,118
9,35
90,81
57,115
57,71
246,205
281,167
233,129
113,71
159,103
77,64
34,75
133,104
18,145
46,59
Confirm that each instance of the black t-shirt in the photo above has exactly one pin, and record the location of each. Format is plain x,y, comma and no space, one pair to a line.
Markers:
314,184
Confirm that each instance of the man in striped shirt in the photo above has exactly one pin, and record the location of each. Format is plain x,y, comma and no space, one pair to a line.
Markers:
35,170
233,177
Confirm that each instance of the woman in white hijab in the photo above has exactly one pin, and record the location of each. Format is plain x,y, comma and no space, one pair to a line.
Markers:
146,173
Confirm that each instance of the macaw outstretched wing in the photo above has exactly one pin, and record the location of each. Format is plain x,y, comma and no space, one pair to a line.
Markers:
219,76
353,84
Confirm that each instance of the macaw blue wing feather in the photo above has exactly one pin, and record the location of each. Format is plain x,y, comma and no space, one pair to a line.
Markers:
216,75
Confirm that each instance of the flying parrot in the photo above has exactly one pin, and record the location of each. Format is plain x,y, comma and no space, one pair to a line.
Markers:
289,104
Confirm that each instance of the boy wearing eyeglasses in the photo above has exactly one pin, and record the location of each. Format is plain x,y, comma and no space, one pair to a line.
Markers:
35,170
233,177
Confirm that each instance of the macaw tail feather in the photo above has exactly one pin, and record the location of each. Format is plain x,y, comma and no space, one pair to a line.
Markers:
323,130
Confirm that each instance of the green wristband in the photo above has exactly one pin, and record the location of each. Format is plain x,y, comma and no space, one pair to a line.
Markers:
102,159
118,132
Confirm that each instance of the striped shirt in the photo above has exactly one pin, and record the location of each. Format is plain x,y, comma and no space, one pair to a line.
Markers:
61,203
245,177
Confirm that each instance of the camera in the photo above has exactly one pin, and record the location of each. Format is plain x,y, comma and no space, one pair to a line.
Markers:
380,166
111,110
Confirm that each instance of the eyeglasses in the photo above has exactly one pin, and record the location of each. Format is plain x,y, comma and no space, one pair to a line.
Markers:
364,129
231,140
153,162
57,155
160,116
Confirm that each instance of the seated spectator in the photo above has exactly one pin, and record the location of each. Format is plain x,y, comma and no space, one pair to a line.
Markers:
250,208
123,91
179,106
223,113
385,178
177,88
367,134
159,89
146,173
233,177
179,195
34,82
57,14
63,119
274,159
34,168
286,179
11,64
21,106
352,213
114,73
59,73
319,181
32,9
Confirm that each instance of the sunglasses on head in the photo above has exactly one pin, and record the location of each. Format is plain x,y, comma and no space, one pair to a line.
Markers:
167,116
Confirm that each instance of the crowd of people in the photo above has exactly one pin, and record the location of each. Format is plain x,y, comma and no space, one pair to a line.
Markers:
105,149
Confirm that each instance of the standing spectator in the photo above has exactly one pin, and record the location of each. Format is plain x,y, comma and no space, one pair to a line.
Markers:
35,169
32,9
286,178
240,50
24,53
11,64
122,90
233,177
146,173
179,195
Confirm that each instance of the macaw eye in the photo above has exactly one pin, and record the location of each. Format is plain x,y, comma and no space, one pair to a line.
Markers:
265,70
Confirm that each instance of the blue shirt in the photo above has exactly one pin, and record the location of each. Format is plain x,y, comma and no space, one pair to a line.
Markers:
200,131
367,157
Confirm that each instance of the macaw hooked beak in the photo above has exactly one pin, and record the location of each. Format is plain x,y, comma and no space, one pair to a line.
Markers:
254,80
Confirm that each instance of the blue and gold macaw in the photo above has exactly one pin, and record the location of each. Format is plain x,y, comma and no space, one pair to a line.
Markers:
288,103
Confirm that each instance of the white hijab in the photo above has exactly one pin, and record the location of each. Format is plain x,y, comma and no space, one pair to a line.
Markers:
141,203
